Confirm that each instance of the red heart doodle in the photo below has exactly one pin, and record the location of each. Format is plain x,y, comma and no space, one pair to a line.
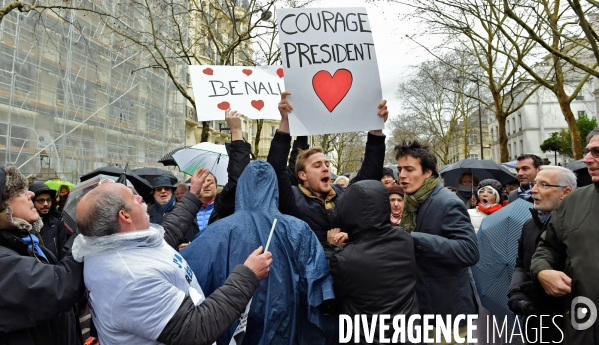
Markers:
332,90
280,73
258,104
224,105
208,71
247,72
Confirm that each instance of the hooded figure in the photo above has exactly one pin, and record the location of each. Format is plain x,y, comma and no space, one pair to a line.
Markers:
54,233
38,292
284,309
375,273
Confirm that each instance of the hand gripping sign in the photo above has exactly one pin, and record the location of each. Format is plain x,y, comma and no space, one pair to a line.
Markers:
252,91
330,69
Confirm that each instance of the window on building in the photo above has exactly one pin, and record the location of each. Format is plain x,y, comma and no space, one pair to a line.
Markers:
509,150
521,147
507,127
580,97
514,125
582,113
520,121
272,131
472,139
472,156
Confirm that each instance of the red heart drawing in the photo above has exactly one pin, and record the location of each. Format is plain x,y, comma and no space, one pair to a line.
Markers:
247,72
258,104
332,90
280,72
224,105
208,71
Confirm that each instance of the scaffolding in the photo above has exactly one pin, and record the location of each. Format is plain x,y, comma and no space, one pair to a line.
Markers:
73,98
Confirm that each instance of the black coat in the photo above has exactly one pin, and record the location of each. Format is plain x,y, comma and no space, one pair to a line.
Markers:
375,273
523,288
312,210
446,246
54,234
157,217
239,158
37,297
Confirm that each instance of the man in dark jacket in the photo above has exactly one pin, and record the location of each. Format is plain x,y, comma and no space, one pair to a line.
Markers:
316,193
152,295
54,233
565,262
445,241
375,273
551,185
37,292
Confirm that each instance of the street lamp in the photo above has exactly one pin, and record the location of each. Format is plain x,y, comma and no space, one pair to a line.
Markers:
480,120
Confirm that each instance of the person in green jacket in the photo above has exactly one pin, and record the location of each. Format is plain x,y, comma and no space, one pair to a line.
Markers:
566,262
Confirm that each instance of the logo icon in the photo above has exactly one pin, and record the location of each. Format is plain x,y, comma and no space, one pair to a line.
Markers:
583,313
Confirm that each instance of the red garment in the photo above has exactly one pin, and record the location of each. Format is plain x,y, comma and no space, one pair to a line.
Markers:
489,210
204,204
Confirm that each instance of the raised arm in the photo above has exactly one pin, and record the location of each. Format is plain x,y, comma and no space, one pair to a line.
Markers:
183,216
239,158
374,155
277,157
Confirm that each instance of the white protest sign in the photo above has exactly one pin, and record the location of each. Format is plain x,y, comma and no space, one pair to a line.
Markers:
330,69
253,91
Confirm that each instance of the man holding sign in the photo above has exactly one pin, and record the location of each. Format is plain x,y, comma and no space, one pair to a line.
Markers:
315,194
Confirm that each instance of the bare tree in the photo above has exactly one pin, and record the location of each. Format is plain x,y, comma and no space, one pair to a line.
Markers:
561,28
467,27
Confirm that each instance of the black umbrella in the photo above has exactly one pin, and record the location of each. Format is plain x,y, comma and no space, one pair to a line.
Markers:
582,173
482,169
141,185
168,159
151,173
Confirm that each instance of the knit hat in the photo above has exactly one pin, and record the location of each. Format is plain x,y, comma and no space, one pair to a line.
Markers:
12,182
388,172
496,185
395,189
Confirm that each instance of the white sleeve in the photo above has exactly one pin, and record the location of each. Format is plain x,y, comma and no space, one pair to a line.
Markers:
145,306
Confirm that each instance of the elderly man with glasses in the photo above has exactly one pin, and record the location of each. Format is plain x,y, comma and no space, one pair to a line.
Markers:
565,262
54,233
550,186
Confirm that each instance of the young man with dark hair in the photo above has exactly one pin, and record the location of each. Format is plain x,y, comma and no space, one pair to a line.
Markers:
527,168
445,241
315,194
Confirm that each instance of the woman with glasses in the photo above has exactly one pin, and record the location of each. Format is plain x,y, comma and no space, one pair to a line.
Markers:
489,201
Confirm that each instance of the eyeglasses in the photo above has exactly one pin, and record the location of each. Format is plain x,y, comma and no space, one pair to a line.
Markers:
594,152
485,190
43,201
543,185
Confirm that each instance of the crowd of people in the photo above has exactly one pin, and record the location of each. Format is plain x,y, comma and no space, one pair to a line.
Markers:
282,250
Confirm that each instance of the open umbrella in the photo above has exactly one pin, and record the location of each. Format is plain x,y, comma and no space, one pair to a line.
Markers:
582,172
482,169
151,173
141,185
56,183
204,155
167,159
70,208
498,246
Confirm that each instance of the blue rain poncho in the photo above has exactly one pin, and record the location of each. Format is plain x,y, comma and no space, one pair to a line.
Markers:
284,309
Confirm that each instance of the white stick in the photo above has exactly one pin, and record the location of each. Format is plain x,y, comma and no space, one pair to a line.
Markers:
270,236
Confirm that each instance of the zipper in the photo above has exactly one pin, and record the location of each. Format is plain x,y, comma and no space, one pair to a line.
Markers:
55,246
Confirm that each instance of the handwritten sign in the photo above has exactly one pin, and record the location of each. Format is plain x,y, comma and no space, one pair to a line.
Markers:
330,69
252,91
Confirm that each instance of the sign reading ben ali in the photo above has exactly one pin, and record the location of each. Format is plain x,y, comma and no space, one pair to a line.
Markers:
330,70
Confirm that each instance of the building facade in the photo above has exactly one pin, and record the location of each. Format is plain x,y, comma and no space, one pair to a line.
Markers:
73,100
540,116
